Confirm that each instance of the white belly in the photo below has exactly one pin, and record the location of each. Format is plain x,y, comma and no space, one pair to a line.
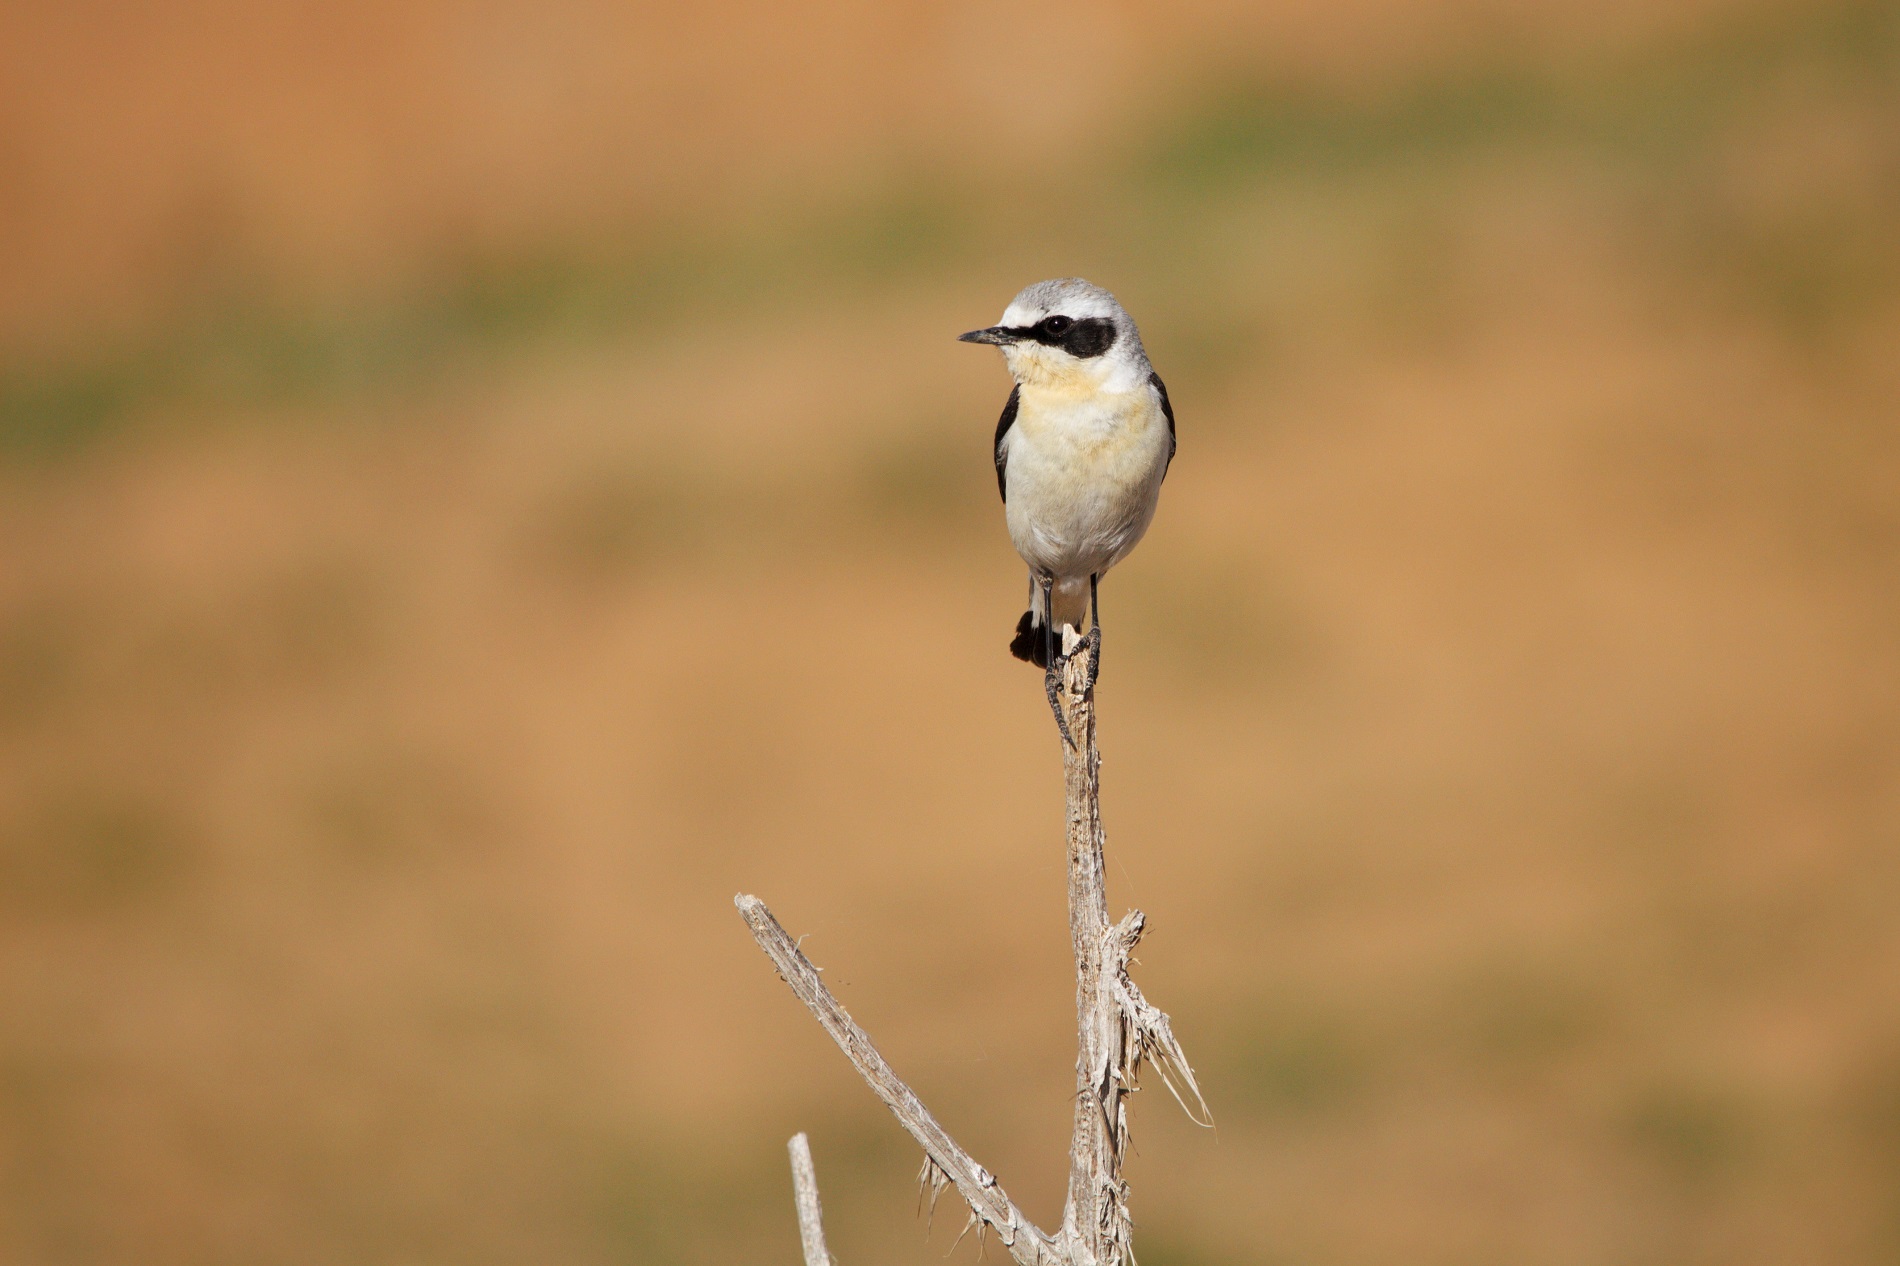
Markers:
1083,477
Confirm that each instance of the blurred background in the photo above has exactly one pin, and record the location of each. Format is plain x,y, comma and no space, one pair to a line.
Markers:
481,484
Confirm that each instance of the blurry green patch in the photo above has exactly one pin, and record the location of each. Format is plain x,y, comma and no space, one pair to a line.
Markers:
609,525
1513,1016
498,300
239,348
1869,1110
92,850
1293,1062
1251,130
1694,1133
1653,105
49,409
914,225
1650,117
1811,271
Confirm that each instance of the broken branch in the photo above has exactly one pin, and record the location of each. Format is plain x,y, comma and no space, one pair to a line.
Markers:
811,1216
987,1200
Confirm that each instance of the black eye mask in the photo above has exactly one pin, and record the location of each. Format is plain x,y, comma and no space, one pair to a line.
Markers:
1085,339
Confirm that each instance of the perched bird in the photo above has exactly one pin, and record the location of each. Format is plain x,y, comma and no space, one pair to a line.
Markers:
1082,447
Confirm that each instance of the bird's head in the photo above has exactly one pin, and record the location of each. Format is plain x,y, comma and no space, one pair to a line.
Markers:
1068,335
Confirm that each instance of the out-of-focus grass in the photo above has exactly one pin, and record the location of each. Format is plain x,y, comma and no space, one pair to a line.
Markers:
252,350
1517,746
91,851
1656,122
1659,106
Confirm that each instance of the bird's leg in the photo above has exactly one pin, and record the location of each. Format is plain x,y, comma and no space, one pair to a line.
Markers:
1051,644
1052,674
1094,639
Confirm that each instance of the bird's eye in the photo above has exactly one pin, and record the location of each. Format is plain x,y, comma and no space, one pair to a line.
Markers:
1056,324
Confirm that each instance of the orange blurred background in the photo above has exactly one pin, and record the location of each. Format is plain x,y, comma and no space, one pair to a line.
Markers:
482,484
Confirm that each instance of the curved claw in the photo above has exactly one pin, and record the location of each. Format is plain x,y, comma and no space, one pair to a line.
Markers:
1052,686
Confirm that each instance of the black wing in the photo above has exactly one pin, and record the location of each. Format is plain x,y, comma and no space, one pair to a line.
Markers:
1166,408
996,450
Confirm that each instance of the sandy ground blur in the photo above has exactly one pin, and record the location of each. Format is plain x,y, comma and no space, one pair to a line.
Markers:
1501,725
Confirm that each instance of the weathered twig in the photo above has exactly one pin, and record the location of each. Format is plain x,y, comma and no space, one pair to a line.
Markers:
989,1204
1095,1216
1117,1030
811,1216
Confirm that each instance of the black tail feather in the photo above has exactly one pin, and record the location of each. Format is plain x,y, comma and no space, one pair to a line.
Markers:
1029,645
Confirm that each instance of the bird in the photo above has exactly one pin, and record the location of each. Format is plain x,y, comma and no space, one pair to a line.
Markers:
1082,447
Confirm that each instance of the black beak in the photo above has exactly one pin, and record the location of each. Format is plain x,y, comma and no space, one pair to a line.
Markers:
996,334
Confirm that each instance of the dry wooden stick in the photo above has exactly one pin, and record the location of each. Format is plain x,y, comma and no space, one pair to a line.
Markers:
1117,1031
989,1204
811,1216
1116,1028
1095,1216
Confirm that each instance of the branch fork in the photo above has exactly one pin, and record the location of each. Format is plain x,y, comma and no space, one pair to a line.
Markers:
1118,1030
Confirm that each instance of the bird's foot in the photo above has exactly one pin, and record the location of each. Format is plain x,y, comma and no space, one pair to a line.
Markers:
1093,640
1052,686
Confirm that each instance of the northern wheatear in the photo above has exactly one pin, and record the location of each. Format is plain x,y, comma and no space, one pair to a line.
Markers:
1081,450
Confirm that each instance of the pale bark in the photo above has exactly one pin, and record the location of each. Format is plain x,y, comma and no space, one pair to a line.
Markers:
1117,1031
811,1216
988,1202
